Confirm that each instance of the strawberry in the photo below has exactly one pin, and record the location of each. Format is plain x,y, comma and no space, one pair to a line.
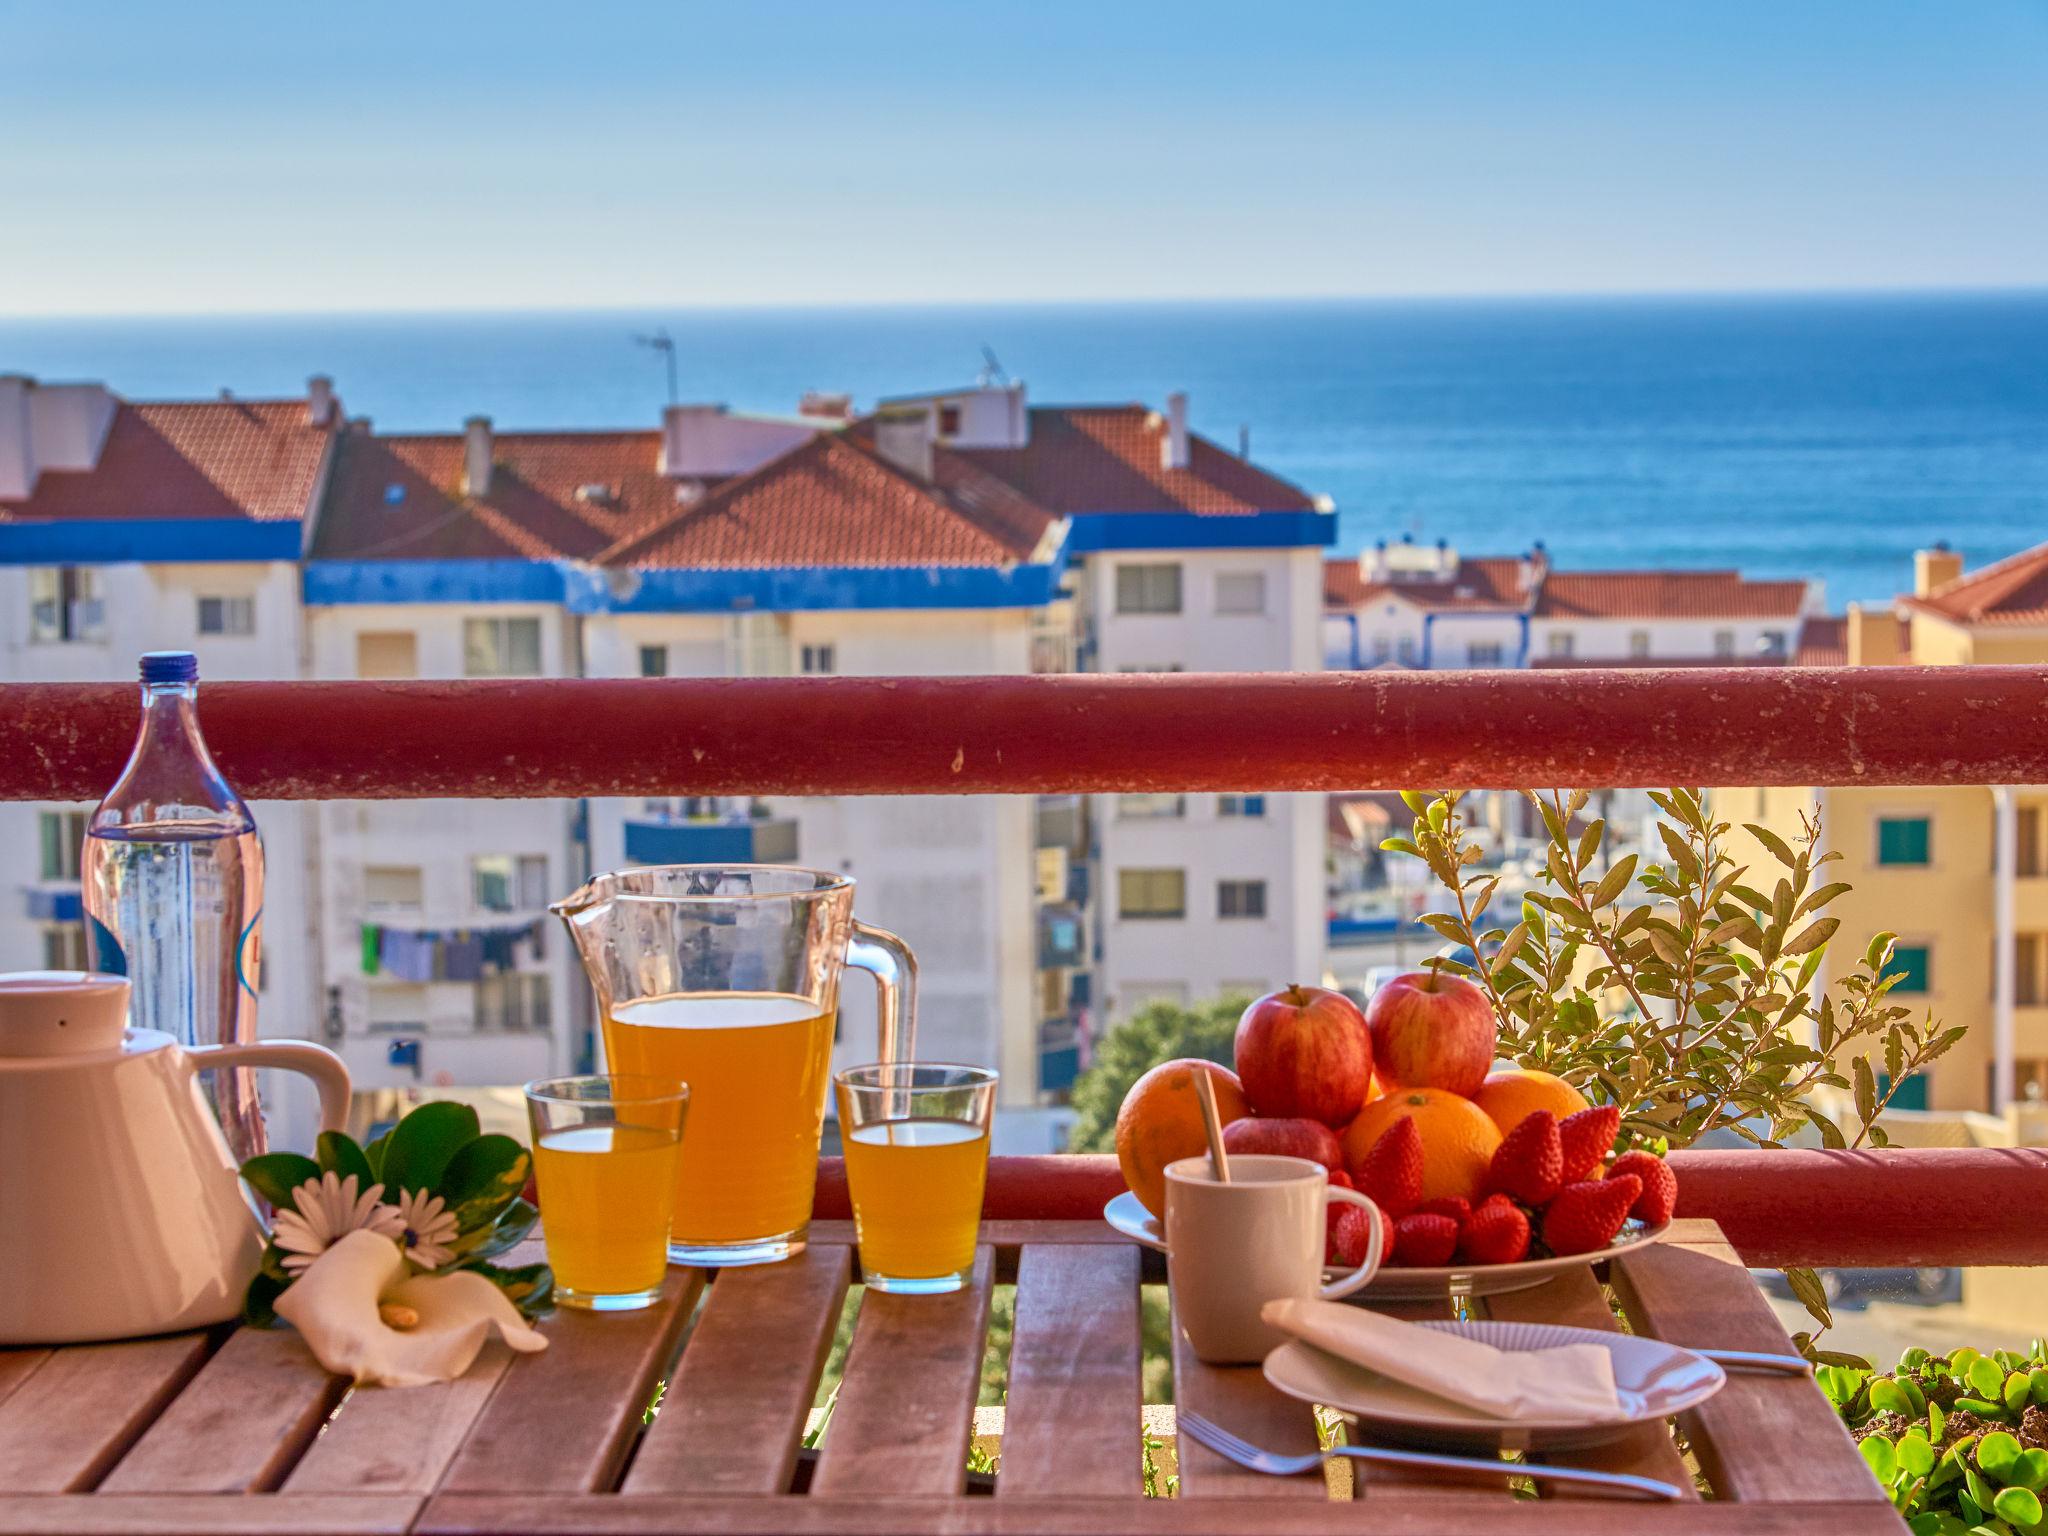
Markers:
1584,1217
1498,1233
1529,1163
1454,1206
1586,1138
1391,1173
1341,1180
1350,1227
1660,1185
1425,1242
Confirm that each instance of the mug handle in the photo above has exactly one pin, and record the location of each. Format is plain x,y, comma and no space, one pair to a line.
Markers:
889,960
1350,1283
329,1073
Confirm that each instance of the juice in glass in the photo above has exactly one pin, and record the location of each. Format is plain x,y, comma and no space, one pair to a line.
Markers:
756,1063
610,1192
919,1207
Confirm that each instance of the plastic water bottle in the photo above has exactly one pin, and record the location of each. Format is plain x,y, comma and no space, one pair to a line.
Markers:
173,877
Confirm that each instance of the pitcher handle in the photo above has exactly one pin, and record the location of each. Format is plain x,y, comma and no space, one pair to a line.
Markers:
889,960
328,1071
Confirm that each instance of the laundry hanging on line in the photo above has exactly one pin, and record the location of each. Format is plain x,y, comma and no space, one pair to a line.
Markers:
449,954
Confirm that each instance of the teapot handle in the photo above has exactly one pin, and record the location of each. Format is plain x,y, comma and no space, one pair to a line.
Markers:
329,1073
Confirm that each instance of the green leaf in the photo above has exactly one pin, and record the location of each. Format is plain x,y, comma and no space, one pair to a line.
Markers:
1937,1420
1615,882
1400,845
1987,1379
483,1178
1778,847
422,1144
1812,936
2018,1388
1807,1287
2030,1471
1878,1452
275,1175
1998,1453
340,1156
1416,801
259,1302
1915,1453
1888,1396
1866,1089
530,1287
1830,1133
374,1154
2019,1506
510,1230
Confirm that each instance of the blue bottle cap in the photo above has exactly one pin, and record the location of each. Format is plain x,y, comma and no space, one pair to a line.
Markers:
170,667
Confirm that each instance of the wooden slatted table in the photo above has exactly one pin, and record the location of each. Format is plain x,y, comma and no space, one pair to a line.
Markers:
240,1432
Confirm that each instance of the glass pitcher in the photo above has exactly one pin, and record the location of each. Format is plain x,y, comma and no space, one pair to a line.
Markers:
726,977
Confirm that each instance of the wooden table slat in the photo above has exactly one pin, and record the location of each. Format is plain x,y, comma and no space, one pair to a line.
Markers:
733,1416
1385,1482
16,1366
1577,1300
905,1410
78,1413
1237,1397
1761,1437
239,1425
403,1441
564,1420
1072,1423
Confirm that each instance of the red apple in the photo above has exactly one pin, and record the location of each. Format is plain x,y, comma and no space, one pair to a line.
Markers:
1305,1052
1431,1030
1285,1138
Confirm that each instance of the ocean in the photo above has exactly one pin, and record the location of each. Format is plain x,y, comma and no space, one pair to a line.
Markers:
1798,436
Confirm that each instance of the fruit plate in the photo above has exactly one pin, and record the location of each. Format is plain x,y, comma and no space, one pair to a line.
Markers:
1655,1380
1138,1224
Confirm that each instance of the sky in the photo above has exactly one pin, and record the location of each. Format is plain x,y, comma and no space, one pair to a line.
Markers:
437,154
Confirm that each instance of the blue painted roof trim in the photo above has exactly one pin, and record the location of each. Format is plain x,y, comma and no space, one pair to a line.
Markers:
156,540
1092,531
333,583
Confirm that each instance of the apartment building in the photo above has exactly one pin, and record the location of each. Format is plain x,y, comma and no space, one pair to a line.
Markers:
128,526
1959,873
1181,557
1428,607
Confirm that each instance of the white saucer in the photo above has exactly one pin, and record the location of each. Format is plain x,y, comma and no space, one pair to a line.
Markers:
1655,1379
1141,1226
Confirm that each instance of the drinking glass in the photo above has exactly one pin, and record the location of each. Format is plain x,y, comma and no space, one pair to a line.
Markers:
916,1140
726,977
604,1154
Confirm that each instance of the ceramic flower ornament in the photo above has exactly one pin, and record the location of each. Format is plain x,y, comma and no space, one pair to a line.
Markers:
365,1315
325,1210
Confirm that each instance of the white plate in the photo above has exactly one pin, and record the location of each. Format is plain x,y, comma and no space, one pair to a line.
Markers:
1655,1379
1141,1226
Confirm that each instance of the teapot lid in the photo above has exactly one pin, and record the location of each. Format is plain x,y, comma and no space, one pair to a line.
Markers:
61,1013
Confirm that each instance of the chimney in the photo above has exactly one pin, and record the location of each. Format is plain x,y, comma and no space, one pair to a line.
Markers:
903,437
1935,567
17,444
1872,637
1173,448
476,457
319,400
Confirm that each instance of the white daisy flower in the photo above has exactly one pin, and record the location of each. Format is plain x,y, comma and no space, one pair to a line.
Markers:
325,1210
428,1228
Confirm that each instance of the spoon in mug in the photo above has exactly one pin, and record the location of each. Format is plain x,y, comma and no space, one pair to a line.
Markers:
1212,1121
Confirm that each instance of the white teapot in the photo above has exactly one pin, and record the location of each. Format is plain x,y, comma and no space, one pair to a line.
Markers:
121,1211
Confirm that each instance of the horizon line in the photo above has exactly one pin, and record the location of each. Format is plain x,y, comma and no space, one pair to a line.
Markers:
753,306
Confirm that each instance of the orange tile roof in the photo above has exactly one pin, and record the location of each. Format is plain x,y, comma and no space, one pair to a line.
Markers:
254,459
1486,582
833,501
1667,595
1082,459
1824,641
400,498
2011,591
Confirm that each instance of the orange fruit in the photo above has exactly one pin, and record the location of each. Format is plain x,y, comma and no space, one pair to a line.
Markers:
1458,1140
1509,1097
1160,1122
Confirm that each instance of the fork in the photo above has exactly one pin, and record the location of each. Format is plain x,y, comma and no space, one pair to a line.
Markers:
1245,1454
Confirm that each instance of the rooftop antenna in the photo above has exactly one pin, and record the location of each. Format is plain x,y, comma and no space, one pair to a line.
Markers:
660,341
992,375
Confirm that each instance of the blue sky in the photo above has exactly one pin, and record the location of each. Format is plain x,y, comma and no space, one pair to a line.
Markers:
429,155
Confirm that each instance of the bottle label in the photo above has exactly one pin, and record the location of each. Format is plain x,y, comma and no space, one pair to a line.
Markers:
249,955
108,958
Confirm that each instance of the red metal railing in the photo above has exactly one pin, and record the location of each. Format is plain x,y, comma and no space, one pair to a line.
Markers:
1022,735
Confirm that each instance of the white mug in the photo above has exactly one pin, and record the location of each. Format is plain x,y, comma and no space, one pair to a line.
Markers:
1231,1248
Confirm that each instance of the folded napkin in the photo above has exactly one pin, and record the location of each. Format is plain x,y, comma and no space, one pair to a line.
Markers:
1573,1381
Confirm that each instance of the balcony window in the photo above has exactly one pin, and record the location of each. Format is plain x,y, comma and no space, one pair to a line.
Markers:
1153,588
820,660
1149,894
1639,643
1484,653
513,1001
1250,806
654,661
1404,650
1774,644
65,605
393,888
227,615
1240,898
64,947
1241,592
1724,643
1150,807
2026,969
63,834
501,647
1561,643
2028,830
1910,964
506,883
387,653
1903,840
